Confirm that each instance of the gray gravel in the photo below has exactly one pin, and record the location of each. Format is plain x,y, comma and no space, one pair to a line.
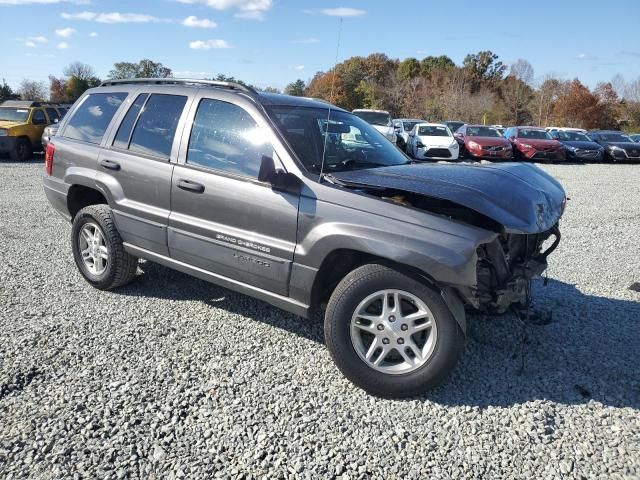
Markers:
175,378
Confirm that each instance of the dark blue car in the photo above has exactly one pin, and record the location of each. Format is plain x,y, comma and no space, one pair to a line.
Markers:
579,147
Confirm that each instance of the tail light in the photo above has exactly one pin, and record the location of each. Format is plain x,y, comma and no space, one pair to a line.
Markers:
48,159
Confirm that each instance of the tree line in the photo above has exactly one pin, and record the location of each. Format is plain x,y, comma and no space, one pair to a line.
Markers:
481,90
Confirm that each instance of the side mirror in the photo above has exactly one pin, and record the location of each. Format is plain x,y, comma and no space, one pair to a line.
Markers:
56,120
276,177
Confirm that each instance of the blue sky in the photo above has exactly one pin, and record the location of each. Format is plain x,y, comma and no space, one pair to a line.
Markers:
272,42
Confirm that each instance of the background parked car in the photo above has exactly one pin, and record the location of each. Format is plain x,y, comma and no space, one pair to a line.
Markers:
380,120
617,145
534,143
432,141
500,129
21,126
482,142
578,146
565,129
453,125
402,127
51,130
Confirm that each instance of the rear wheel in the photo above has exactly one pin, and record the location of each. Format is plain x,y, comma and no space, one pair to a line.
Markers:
98,250
390,334
22,151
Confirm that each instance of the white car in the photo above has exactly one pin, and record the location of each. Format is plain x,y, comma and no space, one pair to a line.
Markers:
380,120
402,127
565,129
432,141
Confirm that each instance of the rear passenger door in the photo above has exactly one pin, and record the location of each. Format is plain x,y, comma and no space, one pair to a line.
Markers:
135,166
223,219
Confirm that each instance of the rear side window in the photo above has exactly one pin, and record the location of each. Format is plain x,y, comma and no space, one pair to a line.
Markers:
225,137
53,114
38,118
124,132
156,127
92,117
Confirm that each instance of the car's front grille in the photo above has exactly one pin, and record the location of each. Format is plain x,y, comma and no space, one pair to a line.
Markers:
493,148
581,152
633,152
438,152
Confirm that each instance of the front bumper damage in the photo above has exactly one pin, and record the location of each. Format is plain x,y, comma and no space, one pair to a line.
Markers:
506,267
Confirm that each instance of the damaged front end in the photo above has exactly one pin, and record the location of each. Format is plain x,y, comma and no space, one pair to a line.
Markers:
519,202
506,267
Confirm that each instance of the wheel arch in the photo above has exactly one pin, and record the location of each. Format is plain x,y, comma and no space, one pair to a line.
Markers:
81,196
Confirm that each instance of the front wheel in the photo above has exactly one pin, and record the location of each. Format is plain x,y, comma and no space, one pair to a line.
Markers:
389,334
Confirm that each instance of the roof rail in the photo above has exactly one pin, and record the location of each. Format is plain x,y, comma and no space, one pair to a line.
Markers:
181,81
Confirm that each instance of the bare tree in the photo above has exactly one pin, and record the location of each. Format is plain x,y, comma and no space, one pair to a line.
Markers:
544,99
80,70
523,71
32,90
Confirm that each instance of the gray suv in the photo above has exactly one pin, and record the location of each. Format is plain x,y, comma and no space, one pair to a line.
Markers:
306,206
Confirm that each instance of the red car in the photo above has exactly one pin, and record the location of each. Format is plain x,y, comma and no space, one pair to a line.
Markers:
534,143
482,142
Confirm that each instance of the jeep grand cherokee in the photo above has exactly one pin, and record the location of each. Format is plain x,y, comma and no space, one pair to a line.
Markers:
306,206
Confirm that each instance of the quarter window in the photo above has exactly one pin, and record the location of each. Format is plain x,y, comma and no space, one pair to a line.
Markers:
92,117
124,132
38,118
225,137
53,114
156,126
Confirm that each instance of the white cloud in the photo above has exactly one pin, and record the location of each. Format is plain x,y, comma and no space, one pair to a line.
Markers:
65,32
208,44
343,12
63,45
33,42
93,34
248,9
302,41
196,22
113,17
42,2
299,67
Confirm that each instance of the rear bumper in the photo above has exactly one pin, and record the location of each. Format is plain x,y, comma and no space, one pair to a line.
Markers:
7,144
56,192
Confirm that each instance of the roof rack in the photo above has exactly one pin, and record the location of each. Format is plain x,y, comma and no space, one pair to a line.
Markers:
181,81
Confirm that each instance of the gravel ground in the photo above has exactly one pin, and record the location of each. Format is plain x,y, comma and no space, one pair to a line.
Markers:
171,377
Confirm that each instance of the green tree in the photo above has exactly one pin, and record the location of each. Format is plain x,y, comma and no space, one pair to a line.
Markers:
143,69
431,63
484,67
295,88
409,68
6,92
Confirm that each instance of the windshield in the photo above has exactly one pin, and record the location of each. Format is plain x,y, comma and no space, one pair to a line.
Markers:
408,126
351,143
454,126
572,136
14,114
375,118
433,131
482,132
533,134
615,137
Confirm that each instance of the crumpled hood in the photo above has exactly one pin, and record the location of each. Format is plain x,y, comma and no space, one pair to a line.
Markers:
582,144
432,141
8,124
519,196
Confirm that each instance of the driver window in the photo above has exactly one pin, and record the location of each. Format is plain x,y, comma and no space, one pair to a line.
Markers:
225,137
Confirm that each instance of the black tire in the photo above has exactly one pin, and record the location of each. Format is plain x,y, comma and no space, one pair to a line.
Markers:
22,151
355,287
121,267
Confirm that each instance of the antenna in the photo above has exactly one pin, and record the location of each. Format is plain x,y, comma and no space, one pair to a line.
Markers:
333,83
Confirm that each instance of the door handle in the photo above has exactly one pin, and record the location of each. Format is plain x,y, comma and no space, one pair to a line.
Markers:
190,186
110,164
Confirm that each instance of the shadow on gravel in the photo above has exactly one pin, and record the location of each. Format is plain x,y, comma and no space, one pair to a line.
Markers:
576,348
